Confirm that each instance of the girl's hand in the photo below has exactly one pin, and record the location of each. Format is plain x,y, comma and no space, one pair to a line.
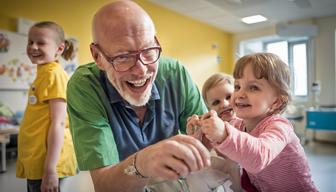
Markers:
194,127
50,183
213,127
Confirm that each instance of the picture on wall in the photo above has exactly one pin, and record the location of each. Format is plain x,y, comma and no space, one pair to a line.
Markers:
16,70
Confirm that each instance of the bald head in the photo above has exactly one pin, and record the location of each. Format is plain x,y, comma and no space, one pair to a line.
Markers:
120,19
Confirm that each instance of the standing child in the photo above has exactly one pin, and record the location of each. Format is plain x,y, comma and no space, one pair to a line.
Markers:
264,143
45,149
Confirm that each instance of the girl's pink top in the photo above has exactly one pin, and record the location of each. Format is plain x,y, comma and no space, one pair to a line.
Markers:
271,154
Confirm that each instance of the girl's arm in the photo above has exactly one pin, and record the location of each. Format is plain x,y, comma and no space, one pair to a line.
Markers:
54,143
255,152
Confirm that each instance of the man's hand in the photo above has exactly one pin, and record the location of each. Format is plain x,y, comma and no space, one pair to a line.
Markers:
173,158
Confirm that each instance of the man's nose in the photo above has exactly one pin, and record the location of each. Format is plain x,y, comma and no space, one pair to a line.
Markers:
139,68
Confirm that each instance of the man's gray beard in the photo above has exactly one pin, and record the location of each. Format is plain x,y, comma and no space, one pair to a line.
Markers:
142,101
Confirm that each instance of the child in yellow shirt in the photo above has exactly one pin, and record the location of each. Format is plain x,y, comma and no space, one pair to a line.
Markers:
45,149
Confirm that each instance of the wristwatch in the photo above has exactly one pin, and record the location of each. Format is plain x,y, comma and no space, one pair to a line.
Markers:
131,170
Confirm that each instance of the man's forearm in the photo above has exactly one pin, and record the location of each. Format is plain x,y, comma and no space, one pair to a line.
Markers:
113,178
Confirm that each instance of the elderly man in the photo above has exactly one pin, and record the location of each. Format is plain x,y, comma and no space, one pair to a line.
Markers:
127,108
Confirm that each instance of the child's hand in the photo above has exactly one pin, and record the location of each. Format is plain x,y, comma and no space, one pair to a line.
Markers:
194,127
213,127
50,182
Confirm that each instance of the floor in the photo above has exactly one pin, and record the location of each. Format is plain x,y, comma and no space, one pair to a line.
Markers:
321,156
9,183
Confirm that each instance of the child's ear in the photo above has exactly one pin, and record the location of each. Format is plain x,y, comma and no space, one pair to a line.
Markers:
60,49
278,104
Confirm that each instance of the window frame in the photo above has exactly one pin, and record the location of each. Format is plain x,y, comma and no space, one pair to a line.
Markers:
290,43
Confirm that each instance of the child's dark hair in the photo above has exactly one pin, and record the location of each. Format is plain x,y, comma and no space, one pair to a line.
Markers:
69,49
270,67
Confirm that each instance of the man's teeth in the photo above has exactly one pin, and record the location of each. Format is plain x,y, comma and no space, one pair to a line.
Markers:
138,83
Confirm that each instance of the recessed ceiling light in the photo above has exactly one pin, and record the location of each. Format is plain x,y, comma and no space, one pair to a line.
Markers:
254,19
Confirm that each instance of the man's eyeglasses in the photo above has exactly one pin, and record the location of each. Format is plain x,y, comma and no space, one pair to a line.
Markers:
125,62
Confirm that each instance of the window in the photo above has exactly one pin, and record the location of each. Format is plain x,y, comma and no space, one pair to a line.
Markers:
295,51
299,65
295,54
279,48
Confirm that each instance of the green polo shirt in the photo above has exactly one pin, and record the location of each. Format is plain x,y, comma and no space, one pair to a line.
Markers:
104,127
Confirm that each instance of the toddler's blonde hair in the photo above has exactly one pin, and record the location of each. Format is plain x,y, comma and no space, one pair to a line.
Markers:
213,81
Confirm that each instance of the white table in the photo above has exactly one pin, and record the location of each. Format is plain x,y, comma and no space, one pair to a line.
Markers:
4,139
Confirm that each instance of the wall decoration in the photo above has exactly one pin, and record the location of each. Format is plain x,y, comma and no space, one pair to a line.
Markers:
16,70
4,43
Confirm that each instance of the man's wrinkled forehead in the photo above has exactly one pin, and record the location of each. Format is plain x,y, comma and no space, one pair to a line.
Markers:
127,20
109,32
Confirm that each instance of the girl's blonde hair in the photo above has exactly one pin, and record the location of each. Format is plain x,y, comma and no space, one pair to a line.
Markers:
60,37
270,67
213,81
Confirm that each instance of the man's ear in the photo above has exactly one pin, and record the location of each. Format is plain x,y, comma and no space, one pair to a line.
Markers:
96,56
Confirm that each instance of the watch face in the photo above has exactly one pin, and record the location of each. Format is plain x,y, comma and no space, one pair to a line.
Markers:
130,170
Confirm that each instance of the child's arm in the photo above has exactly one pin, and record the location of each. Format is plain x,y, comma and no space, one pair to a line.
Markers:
54,143
262,147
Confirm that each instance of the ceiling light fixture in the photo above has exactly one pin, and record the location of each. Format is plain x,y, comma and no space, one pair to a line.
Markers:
254,19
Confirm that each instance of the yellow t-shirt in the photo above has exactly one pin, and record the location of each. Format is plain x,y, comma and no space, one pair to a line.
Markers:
50,83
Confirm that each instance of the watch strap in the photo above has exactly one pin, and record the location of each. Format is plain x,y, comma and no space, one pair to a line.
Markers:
132,170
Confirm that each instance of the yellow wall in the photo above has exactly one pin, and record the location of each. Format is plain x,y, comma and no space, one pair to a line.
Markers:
191,42
188,40
74,16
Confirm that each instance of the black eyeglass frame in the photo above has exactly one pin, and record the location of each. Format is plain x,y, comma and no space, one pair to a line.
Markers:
135,53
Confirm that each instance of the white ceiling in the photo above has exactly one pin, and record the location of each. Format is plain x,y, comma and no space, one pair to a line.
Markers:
226,14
